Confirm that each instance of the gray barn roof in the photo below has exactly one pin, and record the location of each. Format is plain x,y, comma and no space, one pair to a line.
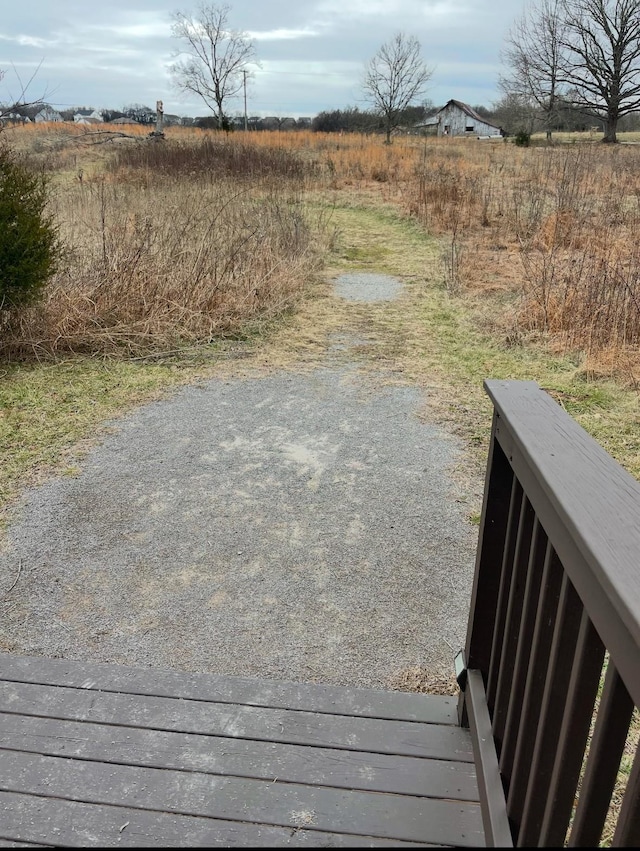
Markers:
469,111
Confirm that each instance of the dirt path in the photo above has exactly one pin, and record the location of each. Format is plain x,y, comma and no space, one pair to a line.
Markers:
296,520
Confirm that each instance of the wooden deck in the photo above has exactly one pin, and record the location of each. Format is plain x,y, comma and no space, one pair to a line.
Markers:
94,754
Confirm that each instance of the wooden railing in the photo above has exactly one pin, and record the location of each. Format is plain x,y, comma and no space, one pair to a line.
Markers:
555,607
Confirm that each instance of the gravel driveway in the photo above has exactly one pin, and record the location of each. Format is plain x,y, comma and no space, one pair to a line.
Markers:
296,526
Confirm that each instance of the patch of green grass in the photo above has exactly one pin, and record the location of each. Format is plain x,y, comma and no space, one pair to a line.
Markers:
46,409
464,356
367,255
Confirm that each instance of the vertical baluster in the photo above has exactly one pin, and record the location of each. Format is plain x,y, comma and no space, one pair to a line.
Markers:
506,573
582,688
539,556
544,749
605,753
552,580
486,583
521,561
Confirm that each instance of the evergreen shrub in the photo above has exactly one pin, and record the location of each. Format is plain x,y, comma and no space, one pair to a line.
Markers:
30,249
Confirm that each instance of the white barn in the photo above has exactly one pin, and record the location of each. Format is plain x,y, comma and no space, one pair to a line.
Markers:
459,119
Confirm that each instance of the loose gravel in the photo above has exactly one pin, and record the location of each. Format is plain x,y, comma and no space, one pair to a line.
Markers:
297,526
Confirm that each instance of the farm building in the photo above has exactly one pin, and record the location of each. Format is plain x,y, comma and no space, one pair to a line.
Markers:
459,119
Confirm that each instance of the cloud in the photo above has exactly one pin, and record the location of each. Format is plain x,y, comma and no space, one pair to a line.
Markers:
283,34
357,9
399,13
144,30
28,41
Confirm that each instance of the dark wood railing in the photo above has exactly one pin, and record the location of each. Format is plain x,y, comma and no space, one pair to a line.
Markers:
555,605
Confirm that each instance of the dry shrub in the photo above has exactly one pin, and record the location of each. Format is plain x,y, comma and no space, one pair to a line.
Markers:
568,214
557,229
212,156
168,258
579,257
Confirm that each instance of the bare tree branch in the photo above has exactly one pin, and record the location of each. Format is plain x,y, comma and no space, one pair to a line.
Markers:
601,68
533,56
20,104
215,56
395,77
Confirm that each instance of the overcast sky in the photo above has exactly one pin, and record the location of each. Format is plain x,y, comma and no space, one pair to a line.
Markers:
312,52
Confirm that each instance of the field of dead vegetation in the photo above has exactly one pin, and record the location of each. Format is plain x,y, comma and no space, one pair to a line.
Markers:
523,264
188,238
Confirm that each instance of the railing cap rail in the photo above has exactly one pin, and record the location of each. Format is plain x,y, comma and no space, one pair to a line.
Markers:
597,501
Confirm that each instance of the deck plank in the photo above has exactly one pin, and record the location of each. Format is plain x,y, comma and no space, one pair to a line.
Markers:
239,799
240,758
101,755
408,738
73,824
335,700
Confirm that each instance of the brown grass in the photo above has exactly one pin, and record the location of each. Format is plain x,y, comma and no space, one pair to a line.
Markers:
170,244
556,227
552,227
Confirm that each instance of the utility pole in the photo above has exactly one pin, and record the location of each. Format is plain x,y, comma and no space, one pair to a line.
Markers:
244,74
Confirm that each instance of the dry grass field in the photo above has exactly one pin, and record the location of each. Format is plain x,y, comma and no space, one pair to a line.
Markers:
165,243
164,237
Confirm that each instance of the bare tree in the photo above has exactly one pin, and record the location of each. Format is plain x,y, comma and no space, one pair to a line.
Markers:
396,76
215,57
602,58
534,57
515,113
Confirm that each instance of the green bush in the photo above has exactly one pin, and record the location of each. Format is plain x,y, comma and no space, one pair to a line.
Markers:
522,139
29,246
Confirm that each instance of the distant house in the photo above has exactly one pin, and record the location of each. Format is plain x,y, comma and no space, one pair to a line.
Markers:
14,118
459,119
123,120
86,119
88,116
47,113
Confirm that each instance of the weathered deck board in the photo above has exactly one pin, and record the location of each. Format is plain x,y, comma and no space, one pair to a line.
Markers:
232,720
336,700
75,824
93,755
241,758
